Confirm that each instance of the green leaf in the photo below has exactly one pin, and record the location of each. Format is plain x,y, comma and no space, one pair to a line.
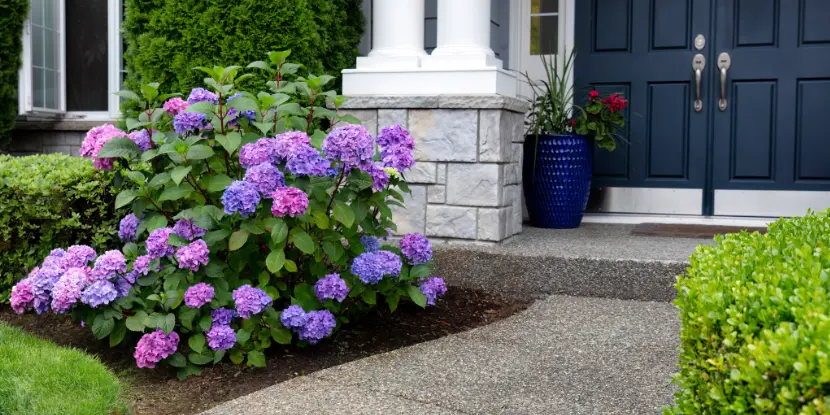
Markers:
177,360
186,316
136,322
281,335
260,65
230,141
218,355
279,230
419,271
205,322
149,91
238,239
102,326
175,193
154,222
212,237
118,333
172,281
302,241
203,107
125,198
275,261
256,358
242,336
305,296
159,180
219,182
169,323
119,147
177,240
237,357
200,359
392,301
178,174
369,296
291,108
290,266
197,342
243,103
333,249
321,219
416,295
199,152
263,127
127,95
253,226
134,124
344,214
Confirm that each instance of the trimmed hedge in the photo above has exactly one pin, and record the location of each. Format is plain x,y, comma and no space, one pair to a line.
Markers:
166,39
48,201
755,311
12,15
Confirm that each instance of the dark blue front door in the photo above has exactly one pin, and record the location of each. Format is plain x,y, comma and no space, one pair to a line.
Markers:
734,161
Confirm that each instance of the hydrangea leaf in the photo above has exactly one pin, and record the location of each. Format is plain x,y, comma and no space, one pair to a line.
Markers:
392,301
369,296
118,333
344,214
136,322
230,141
175,192
303,241
279,230
205,322
237,240
200,358
242,336
196,342
119,147
199,152
102,326
125,197
416,296
178,173
419,271
256,358
177,360
218,182
281,335
275,261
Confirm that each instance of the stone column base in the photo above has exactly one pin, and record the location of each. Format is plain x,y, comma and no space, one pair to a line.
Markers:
466,183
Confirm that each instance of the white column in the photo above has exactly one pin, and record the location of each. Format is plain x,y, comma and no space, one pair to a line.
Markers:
397,35
463,36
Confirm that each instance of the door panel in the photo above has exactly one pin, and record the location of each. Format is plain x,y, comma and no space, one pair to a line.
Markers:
770,136
644,49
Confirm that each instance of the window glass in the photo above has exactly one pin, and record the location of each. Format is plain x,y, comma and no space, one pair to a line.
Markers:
544,27
86,55
46,39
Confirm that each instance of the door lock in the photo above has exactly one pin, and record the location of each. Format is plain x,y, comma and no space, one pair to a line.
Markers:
698,63
724,63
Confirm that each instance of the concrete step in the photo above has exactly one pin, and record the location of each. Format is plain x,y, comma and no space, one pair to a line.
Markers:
595,260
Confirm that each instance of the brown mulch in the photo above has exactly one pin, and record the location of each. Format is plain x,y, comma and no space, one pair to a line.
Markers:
689,231
160,392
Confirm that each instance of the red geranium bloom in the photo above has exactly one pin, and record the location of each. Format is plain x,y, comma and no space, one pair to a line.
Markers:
594,94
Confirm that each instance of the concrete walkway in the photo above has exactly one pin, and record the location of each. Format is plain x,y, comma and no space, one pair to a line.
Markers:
564,355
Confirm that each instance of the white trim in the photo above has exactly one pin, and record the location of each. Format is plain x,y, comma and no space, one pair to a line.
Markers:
635,219
88,115
649,200
114,59
24,83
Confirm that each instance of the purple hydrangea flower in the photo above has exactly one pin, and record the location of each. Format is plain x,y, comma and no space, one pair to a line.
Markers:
141,138
371,267
250,300
141,266
234,115
395,136
433,287
266,177
187,230
370,243
67,291
416,248
155,346
319,325
189,121
198,295
331,287
99,293
77,256
22,297
221,337
288,143
42,282
54,259
400,158
193,255
127,228
242,197
379,177
294,317
175,106
94,142
306,161
289,201
157,245
122,285
351,144
222,316
259,152
201,95
57,253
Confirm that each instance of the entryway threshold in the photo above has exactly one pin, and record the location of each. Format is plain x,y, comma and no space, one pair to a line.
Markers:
636,219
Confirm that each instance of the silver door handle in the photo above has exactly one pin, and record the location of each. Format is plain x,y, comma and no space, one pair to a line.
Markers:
698,63
724,62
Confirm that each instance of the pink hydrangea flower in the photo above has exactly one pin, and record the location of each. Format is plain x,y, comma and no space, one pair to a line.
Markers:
289,201
175,106
155,346
94,142
193,255
198,295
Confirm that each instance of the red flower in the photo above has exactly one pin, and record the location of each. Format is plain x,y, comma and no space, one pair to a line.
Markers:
615,103
593,94
573,123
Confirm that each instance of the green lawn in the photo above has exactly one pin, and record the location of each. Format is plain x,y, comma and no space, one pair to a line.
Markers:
39,377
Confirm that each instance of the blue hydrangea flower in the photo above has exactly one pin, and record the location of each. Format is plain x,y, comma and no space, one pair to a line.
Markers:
293,317
221,337
331,287
371,267
99,293
109,265
350,144
433,288
127,228
223,316
370,243
306,161
266,177
188,230
319,325
189,121
416,248
202,95
242,197
250,300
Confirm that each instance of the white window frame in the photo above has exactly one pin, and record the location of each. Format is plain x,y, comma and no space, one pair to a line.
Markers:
114,66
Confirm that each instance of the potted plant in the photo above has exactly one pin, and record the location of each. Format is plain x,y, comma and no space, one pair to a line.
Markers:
558,147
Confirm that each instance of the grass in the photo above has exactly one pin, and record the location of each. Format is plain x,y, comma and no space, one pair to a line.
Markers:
39,377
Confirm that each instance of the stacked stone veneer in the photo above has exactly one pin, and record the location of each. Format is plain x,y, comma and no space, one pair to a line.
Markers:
49,136
466,183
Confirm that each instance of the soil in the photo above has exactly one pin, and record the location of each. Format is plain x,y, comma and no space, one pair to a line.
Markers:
160,392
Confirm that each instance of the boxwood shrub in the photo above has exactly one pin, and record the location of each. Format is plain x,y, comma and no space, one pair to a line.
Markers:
755,311
47,201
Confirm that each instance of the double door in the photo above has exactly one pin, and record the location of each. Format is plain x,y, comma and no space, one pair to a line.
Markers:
726,114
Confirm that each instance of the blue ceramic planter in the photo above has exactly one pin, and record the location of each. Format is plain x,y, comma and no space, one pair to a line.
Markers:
557,188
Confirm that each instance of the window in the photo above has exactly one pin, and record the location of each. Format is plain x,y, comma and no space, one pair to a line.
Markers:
544,27
72,59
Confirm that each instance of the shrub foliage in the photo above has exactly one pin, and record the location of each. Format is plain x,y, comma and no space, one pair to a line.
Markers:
12,15
46,201
167,38
249,225
755,311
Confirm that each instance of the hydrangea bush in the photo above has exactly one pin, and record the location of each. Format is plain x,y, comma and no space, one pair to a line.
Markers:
255,218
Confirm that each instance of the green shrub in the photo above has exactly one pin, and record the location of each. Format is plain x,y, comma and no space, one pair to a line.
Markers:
39,377
47,201
12,15
166,39
755,311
